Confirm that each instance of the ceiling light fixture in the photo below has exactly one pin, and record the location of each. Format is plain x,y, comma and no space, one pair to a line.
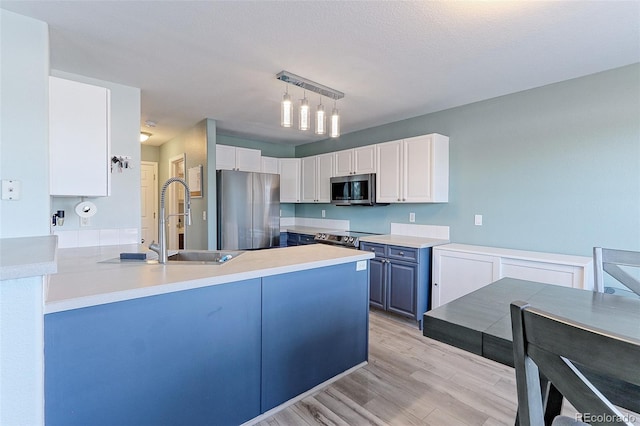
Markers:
335,122
321,119
304,119
286,110
305,113
144,136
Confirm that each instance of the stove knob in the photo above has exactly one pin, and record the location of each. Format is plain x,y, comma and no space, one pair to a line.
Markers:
350,239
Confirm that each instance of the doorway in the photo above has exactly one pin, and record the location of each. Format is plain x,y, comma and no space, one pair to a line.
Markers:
176,236
149,201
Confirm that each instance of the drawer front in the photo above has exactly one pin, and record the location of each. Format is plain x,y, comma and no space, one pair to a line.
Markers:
306,239
403,253
378,249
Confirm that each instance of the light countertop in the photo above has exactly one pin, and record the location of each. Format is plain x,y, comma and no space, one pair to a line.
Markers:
309,230
27,257
82,281
404,240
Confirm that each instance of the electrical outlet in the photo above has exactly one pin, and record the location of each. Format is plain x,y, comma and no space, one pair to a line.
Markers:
478,220
324,213
204,215
85,221
412,217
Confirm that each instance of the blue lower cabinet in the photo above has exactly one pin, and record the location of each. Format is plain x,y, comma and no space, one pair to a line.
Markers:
400,279
315,326
185,358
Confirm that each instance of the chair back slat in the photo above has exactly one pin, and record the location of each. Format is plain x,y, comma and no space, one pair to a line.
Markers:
558,349
613,355
609,261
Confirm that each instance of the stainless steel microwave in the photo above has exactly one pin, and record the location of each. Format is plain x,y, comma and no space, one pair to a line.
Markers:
354,190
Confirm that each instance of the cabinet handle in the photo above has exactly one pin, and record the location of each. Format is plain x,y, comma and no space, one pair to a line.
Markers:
398,199
404,199
372,249
401,253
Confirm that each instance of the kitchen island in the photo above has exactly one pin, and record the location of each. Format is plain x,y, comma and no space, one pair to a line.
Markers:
137,343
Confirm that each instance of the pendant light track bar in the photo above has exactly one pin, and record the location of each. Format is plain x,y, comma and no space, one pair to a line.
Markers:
309,85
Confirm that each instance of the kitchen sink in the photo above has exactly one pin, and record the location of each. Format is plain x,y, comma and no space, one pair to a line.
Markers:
203,257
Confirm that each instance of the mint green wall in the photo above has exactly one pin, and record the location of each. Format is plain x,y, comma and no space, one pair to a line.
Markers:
122,208
24,118
268,149
150,153
553,169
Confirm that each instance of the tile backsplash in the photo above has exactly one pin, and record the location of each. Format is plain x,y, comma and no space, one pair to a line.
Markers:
96,237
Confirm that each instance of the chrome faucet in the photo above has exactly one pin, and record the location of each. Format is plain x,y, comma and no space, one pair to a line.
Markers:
161,248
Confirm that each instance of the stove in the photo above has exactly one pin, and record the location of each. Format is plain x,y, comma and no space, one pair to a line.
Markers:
349,239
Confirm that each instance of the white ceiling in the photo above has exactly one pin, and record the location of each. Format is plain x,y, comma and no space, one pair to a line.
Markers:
393,60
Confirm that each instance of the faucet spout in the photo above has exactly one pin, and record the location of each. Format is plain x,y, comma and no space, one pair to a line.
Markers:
161,247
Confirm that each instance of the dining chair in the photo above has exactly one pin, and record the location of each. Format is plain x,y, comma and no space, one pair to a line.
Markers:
610,261
546,345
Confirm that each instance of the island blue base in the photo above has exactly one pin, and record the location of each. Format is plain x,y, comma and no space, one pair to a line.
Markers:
217,355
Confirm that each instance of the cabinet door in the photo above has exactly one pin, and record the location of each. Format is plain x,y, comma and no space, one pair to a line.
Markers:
225,157
457,273
270,165
364,159
343,162
388,178
416,176
324,168
248,160
402,285
309,181
289,180
79,138
376,283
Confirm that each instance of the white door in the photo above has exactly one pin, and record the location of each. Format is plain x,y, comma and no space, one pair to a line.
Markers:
389,182
309,180
418,162
175,205
149,201
290,180
364,159
343,162
324,174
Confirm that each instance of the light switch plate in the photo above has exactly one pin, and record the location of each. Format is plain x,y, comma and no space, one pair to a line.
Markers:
478,220
10,189
412,217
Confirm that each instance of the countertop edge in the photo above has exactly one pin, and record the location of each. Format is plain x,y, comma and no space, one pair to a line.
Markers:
404,240
26,257
136,293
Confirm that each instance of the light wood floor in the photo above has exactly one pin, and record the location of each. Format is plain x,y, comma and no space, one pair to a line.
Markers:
411,380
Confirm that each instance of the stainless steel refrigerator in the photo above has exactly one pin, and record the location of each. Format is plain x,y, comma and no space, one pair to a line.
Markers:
248,210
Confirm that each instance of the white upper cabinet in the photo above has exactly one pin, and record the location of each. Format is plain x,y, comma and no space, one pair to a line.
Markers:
413,170
316,172
355,161
237,158
270,165
79,139
289,180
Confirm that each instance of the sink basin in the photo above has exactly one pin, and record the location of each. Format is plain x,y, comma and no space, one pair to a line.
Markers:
203,257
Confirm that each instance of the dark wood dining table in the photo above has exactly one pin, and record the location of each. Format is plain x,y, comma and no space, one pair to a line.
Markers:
480,323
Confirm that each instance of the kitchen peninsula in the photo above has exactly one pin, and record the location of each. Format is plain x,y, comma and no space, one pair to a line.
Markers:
139,343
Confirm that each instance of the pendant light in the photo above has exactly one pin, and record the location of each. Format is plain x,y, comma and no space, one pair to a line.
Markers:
335,122
304,119
305,113
286,110
321,119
